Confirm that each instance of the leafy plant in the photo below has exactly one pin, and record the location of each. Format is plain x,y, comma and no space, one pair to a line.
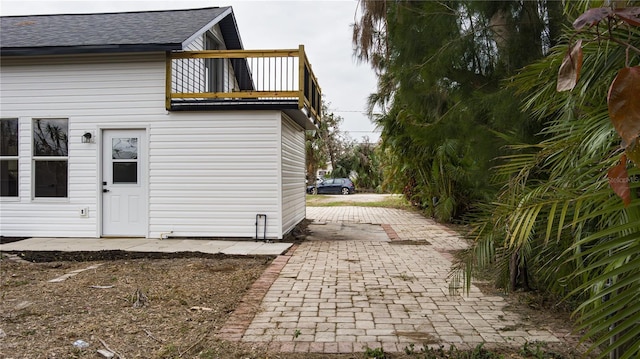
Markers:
377,353
557,225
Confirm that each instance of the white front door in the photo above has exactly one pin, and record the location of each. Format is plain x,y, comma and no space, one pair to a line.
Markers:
124,196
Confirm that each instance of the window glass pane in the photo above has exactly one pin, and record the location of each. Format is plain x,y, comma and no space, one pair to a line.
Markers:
9,137
50,137
124,148
50,178
125,172
9,178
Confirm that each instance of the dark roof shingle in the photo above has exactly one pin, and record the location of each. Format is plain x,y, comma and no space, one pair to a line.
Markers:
106,32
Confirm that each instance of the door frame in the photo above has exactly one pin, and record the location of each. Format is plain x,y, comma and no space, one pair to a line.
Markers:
144,181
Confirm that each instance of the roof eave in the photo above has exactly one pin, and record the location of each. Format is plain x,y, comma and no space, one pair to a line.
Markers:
235,33
206,27
90,49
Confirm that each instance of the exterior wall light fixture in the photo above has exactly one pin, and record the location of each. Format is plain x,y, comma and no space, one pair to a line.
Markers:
87,137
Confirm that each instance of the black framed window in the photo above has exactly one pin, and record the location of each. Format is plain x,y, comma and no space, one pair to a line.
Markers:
50,157
9,157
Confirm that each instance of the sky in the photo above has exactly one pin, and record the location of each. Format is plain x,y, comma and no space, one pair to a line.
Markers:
323,27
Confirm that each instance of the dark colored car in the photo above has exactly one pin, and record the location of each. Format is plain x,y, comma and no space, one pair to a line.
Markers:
332,186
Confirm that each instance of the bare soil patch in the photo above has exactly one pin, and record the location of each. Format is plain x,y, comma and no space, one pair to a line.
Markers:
187,301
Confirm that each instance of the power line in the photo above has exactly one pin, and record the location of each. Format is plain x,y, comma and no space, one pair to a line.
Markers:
364,131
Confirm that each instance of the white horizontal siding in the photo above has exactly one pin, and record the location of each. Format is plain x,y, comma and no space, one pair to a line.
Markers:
293,166
90,92
211,173
196,45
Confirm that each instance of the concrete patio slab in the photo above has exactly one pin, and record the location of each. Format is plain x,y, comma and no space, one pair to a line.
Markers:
247,247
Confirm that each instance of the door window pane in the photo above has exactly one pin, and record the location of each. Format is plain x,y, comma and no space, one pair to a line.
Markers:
9,137
50,179
125,172
9,178
124,148
50,137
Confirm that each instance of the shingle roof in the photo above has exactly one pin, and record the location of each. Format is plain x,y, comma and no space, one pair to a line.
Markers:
112,32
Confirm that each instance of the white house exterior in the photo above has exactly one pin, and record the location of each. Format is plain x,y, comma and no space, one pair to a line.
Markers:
107,140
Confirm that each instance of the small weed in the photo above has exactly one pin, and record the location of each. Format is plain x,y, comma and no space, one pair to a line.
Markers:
431,353
377,353
405,277
29,332
169,350
76,352
16,283
509,328
296,333
479,352
410,350
534,349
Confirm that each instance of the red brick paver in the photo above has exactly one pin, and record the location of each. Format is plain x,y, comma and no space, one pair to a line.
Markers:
239,321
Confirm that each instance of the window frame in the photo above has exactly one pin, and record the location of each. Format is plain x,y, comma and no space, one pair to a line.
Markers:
39,158
16,158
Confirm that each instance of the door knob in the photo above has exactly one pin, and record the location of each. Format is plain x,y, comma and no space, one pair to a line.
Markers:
104,190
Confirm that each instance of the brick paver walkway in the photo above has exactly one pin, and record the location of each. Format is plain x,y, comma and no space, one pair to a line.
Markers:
343,295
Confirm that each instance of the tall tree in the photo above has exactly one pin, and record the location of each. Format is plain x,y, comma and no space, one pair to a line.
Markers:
443,113
326,145
361,162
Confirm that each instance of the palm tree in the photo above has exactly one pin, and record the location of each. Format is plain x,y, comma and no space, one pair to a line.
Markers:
556,216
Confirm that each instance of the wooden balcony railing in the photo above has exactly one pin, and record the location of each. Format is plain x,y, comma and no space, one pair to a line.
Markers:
250,76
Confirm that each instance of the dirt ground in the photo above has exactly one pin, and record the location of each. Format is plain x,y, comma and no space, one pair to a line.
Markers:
139,305
182,302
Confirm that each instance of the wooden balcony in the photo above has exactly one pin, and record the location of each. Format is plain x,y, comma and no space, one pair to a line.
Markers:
244,80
